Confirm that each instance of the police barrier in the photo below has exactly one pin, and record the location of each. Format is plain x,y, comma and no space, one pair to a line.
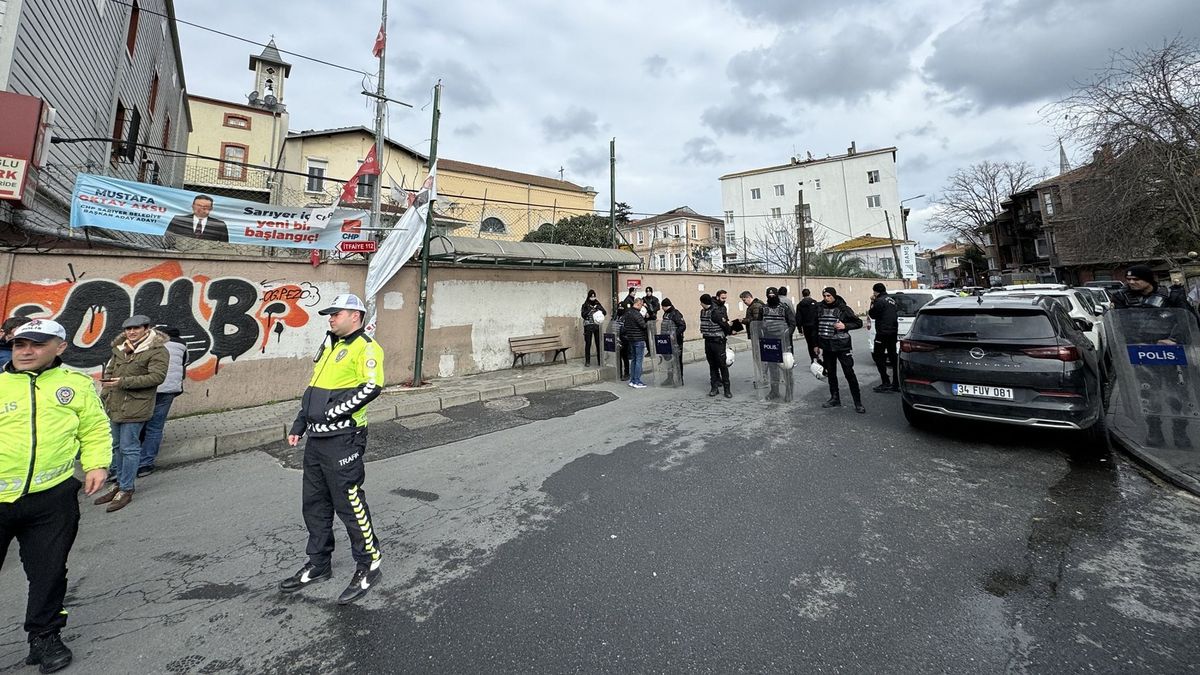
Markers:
1156,362
668,368
772,351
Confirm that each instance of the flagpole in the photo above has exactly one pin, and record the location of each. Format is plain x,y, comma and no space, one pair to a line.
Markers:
380,112
424,298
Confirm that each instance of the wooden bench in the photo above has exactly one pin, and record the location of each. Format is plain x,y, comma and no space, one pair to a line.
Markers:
534,344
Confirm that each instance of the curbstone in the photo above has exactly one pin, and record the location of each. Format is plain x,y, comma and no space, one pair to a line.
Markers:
415,406
560,382
459,398
251,438
377,413
586,377
497,391
529,387
186,450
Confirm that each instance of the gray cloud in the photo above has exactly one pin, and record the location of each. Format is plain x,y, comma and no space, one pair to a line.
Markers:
703,150
846,65
745,115
468,130
656,66
462,87
923,131
575,121
1037,59
587,163
789,11
915,163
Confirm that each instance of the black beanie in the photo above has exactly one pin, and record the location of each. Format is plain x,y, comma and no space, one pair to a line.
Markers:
1142,272
879,288
706,299
830,290
666,302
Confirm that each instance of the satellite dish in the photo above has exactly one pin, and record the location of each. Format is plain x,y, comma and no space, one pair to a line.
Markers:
253,96
270,99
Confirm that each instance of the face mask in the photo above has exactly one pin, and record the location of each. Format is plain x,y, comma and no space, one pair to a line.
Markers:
772,300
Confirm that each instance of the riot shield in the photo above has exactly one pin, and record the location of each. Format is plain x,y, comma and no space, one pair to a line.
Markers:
1156,362
613,354
667,368
777,362
754,330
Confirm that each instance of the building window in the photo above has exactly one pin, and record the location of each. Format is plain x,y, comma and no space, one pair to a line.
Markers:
872,176
873,201
885,265
236,121
233,161
1041,247
641,239
778,190
152,103
777,212
755,193
131,31
675,229
728,218
818,183
807,213
730,239
694,235
492,225
316,176
1048,200
716,234
662,261
678,262
117,132
166,137
366,186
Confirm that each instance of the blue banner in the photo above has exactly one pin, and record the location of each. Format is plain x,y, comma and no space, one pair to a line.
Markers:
99,201
1157,355
770,350
662,345
610,342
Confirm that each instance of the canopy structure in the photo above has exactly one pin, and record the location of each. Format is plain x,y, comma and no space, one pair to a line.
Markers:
496,252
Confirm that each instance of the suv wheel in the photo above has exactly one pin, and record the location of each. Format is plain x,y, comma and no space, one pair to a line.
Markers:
1095,438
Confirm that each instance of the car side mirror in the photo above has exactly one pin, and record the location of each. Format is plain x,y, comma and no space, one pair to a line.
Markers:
1083,324
1101,309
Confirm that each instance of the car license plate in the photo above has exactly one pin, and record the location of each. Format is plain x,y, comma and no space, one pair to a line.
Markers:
983,391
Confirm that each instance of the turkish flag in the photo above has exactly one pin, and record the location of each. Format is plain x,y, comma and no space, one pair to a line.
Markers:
380,41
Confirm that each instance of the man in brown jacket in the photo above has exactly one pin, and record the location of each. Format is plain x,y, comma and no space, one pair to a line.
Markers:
130,380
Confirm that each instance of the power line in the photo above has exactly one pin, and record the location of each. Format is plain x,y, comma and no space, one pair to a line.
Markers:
358,71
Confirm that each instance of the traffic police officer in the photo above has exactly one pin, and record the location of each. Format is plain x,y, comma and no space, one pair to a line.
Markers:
38,488
347,375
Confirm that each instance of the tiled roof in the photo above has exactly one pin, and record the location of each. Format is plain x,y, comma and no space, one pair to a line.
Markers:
505,174
865,242
678,212
307,133
1063,178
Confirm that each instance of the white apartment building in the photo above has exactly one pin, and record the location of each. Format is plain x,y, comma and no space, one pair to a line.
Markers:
844,197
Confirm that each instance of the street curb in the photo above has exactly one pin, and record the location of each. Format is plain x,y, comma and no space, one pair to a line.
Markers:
1148,459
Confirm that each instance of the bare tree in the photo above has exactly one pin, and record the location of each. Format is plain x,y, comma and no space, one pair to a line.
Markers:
972,197
1143,114
777,246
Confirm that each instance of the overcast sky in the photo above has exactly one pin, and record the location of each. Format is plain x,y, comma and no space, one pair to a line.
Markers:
693,90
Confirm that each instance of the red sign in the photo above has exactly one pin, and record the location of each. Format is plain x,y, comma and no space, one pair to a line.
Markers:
633,283
356,246
20,143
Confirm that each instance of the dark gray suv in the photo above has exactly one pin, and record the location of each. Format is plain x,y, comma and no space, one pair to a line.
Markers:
1013,360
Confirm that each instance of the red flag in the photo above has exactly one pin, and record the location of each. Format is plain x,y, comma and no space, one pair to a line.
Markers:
380,41
369,167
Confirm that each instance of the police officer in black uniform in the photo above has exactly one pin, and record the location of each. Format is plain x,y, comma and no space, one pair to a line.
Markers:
887,328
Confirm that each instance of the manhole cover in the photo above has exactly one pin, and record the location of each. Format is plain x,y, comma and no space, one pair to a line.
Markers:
507,404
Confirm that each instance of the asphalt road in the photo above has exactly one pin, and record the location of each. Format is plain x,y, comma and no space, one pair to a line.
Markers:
613,530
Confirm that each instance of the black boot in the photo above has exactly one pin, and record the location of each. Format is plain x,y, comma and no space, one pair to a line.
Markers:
833,402
728,394
48,653
773,394
713,391
858,407
306,576
882,387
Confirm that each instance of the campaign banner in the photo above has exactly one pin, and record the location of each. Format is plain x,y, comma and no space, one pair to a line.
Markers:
662,345
610,342
770,350
128,206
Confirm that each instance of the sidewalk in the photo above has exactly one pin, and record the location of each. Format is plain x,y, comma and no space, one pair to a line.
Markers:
1180,466
208,435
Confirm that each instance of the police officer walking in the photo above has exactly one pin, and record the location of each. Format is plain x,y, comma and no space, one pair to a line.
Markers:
887,328
834,321
347,375
38,502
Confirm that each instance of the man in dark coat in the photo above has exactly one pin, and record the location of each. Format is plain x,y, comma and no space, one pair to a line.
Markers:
887,328
199,225
834,321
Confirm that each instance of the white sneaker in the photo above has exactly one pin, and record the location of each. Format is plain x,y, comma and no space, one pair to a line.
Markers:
639,386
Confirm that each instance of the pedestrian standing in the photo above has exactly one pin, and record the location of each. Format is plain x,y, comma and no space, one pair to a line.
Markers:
678,325
166,394
835,320
52,417
347,375
621,347
137,367
753,323
591,326
634,333
714,327
652,308
807,318
887,328
6,333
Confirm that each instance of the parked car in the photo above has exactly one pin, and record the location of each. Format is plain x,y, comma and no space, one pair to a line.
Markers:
1110,285
1101,296
1015,360
908,302
1079,304
1035,287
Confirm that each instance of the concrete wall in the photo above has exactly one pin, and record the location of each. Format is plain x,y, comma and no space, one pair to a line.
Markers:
252,325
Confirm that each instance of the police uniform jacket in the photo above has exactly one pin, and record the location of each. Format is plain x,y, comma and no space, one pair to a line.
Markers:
347,375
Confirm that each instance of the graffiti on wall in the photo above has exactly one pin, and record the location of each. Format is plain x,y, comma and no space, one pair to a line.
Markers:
221,319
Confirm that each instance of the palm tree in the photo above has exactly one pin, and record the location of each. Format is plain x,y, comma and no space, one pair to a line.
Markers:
837,264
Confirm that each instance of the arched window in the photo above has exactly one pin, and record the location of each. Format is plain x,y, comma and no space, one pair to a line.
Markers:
493,225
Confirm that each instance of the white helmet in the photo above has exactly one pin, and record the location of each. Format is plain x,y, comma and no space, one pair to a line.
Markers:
598,317
644,311
789,360
728,357
817,370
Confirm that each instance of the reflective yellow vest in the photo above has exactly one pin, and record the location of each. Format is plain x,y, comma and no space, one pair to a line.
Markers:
46,420
346,377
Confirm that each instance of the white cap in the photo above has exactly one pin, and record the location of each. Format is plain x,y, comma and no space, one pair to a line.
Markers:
345,301
40,330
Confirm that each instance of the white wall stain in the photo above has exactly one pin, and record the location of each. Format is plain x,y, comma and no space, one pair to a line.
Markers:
446,365
497,310
393,300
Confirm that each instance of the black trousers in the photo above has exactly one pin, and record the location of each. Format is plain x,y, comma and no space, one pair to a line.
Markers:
810,337
714,353
591,333
679,356
884,354
623,361
44,525
831,367
333,478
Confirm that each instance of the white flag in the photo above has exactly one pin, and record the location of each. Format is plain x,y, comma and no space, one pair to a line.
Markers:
403,240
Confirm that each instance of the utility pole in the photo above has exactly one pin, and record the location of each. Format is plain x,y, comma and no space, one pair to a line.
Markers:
424,299
802,236
612,203
892,241
380,112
